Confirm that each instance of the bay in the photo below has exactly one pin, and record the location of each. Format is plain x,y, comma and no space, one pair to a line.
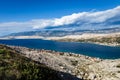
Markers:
93,50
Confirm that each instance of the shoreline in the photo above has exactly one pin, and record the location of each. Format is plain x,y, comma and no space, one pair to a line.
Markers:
107,39
58,52
53,51
98,43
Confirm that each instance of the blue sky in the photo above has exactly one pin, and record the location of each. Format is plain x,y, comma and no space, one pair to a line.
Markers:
27,15
22,10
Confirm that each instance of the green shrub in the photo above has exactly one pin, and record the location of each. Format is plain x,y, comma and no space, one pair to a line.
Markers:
2,51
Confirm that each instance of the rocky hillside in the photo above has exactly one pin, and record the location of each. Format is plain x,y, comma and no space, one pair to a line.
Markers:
20,63
112,39
14,66
83,67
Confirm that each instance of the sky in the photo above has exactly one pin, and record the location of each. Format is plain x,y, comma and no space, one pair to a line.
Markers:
28,15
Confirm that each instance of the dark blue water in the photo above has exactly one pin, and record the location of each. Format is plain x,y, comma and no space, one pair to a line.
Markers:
93,50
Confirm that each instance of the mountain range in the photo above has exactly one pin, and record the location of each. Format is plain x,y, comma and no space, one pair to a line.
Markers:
60,33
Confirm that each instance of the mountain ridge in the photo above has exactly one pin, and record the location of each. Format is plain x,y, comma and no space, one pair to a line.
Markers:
60,33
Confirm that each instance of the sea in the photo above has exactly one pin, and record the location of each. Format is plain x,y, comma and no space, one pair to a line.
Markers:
88,49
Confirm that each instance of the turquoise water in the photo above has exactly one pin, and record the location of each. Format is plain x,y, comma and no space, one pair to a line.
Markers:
88,49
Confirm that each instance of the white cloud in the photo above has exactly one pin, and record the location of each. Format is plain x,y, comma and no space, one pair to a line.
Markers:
85,20
86,17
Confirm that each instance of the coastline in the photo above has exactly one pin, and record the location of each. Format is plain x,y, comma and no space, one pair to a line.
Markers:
98,43
111,39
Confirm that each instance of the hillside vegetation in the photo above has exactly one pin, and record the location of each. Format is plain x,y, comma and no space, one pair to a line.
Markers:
14,66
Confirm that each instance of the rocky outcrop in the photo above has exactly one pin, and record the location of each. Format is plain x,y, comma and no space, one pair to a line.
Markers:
103,70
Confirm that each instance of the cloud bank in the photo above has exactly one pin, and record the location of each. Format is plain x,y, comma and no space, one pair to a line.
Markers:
83,20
